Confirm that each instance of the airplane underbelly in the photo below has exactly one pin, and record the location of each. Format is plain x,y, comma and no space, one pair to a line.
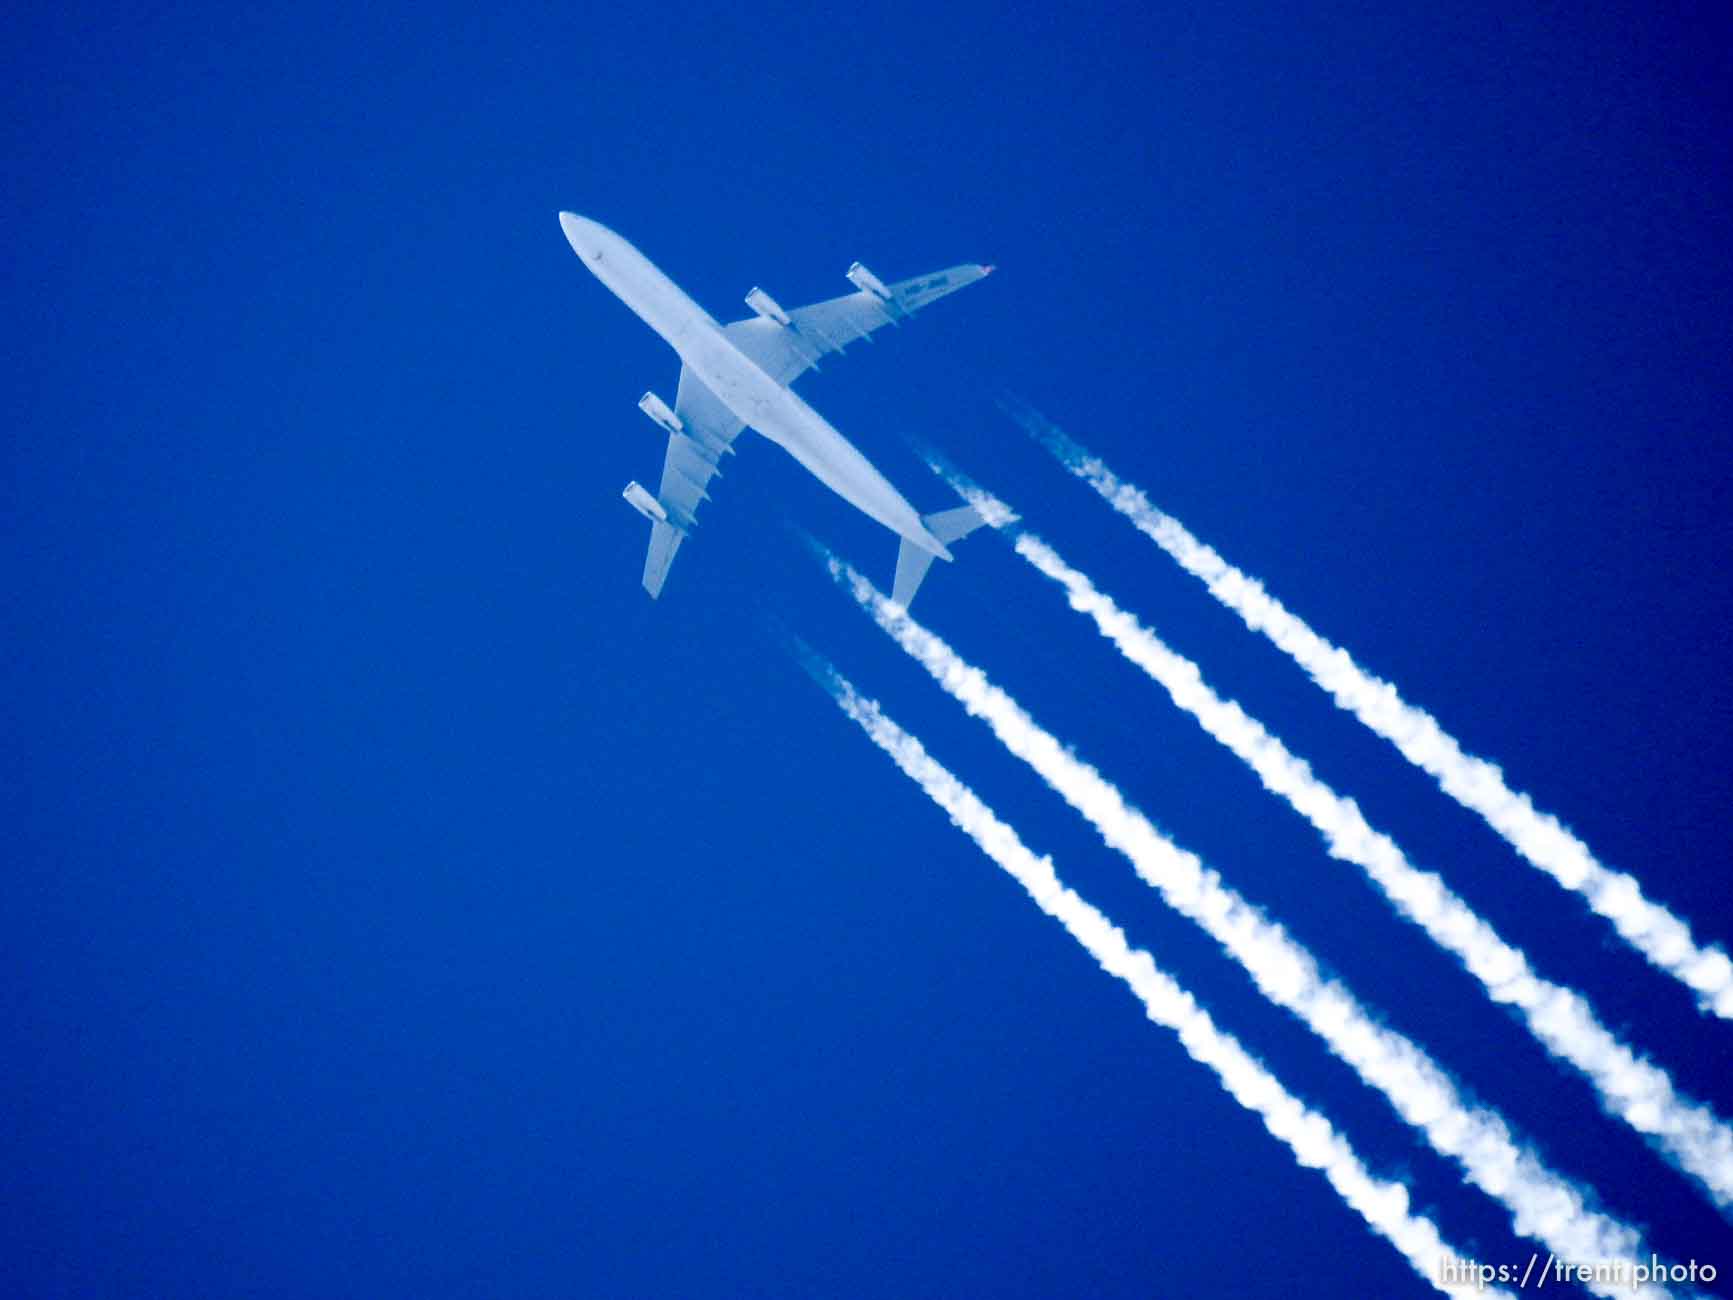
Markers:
751,397
840,466
782,417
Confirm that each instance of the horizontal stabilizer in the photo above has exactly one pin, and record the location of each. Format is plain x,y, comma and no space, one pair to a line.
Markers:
913,561
952,525
912,565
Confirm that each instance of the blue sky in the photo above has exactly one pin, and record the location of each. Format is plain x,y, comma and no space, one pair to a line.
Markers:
400,903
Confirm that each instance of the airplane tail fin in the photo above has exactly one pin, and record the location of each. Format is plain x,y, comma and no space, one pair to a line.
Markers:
913,561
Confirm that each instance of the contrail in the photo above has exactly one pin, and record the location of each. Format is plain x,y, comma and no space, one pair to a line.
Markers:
1473,782
1310,1136
1691,1136
1543,1205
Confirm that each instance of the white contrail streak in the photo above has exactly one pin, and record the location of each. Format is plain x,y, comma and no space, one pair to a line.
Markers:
1691,1136
1310,1136
1543,1205
1473,782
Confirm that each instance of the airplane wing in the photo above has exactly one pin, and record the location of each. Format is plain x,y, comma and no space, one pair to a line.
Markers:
710,429
787,344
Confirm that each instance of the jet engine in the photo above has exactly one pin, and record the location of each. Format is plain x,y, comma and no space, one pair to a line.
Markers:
639,498
657,410
864,279
766,306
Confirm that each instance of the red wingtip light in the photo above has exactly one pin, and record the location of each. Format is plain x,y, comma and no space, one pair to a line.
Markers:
988,270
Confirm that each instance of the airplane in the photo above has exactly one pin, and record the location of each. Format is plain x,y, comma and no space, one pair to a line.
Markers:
738,375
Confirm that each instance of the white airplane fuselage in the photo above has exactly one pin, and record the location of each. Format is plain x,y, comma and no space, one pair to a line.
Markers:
773,409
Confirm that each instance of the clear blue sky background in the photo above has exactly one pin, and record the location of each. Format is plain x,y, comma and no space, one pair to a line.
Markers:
399,903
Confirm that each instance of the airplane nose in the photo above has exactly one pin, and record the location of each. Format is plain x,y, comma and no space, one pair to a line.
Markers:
581,235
